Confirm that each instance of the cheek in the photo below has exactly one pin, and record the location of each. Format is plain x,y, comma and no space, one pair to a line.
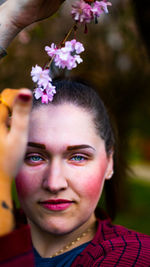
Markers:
92,185
25,187
92,188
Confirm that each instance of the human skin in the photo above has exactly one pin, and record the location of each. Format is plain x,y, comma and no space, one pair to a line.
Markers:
57,172
10,156
15,15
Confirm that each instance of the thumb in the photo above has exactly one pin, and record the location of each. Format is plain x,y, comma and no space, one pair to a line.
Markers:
9,95
20,116
6,101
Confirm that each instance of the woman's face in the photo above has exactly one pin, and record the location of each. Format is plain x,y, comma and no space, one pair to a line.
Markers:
64,169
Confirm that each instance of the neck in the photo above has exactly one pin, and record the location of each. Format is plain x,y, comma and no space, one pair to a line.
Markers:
48,244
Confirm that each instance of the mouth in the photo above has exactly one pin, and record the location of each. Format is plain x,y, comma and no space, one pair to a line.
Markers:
56,204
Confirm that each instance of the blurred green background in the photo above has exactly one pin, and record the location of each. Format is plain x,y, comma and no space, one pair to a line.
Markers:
117,63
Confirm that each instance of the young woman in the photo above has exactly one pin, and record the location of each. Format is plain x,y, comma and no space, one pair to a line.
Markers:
69,156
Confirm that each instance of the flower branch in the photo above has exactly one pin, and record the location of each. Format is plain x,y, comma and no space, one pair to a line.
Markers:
67,53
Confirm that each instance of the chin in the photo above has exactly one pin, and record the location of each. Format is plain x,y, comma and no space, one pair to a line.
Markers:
57,229
60,226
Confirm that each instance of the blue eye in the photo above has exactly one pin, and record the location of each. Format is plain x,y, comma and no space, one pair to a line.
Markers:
35,158
78,158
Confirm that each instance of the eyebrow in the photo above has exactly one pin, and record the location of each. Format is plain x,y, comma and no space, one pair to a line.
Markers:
37,145
70,148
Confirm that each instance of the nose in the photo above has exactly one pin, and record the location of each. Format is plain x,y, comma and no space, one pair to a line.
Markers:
54,177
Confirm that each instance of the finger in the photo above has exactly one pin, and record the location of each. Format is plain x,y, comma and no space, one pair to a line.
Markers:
20,116
9,95
3,113
3,116
6,98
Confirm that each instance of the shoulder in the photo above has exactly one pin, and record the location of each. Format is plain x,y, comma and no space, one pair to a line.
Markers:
115,245
106,231
16,248
124,245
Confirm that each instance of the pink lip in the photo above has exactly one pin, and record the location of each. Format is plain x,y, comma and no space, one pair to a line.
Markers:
56,204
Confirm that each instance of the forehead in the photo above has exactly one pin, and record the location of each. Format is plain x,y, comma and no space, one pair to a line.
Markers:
61,123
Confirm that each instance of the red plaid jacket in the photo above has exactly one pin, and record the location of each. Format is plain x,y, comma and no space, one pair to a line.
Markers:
112,245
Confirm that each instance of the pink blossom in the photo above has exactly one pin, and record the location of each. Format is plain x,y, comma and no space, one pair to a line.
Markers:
66,57
72,46
48,95
84,13
51,51
100,7
44,98
50,92
69,45
78,59
45,94
65,60
105,4
97,9
75,46
79,47
40,76
81,12
45,89
38,93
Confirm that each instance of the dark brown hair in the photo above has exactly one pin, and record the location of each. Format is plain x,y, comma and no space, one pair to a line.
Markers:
84,96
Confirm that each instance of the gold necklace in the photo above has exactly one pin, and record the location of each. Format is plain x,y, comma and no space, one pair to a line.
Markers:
65,248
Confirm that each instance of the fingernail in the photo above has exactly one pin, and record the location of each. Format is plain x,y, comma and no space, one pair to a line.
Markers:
24,97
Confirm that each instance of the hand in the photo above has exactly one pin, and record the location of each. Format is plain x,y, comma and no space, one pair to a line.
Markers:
15,15
13,141
24,12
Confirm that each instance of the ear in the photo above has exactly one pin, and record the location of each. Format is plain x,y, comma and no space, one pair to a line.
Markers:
109,170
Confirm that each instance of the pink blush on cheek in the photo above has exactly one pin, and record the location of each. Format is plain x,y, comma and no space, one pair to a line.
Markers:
94,183
93,187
